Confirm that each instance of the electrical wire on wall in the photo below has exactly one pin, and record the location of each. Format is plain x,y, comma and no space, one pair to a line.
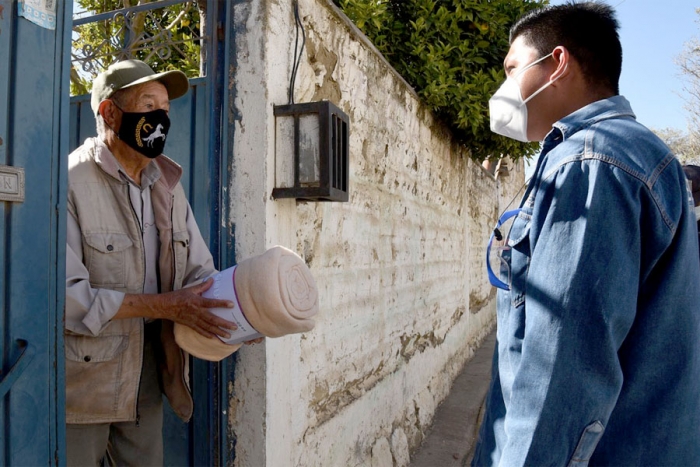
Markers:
297,59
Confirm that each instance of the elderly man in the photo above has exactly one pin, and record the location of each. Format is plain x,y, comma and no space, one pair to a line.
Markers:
132,245
598,354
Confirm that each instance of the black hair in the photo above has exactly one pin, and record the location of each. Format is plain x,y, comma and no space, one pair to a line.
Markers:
588,30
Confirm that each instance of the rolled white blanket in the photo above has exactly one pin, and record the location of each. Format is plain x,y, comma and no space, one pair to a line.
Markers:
274,295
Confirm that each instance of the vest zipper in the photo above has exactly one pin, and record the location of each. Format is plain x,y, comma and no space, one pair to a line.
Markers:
143,286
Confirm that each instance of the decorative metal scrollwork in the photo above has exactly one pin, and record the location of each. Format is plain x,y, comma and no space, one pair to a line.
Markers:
166,34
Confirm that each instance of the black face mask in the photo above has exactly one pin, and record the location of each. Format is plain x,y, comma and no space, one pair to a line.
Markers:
145,132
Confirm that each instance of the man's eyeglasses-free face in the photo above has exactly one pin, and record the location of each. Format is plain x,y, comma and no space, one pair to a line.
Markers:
498,245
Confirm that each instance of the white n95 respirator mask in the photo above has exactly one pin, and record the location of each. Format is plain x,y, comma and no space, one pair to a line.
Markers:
508,109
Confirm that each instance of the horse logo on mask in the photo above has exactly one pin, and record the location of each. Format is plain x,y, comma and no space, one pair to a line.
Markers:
153,136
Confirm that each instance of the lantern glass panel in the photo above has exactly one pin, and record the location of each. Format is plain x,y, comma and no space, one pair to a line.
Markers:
284,151
309,150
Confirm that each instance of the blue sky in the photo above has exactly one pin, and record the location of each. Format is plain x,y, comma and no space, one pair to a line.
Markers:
652,33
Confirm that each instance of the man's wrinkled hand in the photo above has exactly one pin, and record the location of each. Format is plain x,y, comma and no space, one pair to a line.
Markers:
187,306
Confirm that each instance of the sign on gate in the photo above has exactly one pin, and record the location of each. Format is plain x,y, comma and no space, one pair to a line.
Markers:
11,184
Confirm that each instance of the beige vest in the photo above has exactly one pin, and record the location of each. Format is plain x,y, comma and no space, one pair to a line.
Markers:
103,372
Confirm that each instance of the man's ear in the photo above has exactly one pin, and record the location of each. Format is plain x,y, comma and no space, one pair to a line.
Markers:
109,113
561,55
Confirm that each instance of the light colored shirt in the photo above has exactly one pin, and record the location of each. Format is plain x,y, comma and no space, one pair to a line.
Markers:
140,197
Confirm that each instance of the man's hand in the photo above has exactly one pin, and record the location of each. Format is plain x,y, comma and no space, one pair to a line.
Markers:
185,306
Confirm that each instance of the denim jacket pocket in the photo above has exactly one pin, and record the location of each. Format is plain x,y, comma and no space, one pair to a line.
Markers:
519,257
105,258
587,444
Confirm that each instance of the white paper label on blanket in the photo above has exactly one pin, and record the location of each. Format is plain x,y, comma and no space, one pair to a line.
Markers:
223,289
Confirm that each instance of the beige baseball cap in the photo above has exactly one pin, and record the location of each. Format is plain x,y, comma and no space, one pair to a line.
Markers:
127,73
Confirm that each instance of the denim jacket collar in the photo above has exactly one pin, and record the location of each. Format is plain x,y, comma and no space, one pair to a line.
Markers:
604,109
616,106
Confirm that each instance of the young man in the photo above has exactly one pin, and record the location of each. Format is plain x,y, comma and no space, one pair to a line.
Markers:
598,354
132,245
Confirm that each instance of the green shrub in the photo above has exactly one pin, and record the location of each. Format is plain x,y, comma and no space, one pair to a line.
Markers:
451,52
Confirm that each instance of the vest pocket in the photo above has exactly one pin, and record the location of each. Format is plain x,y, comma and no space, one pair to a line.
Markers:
95,349
95,376
105,258
181,245
587,444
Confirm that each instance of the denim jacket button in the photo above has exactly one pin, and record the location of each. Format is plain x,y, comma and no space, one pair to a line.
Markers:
110,248
87,358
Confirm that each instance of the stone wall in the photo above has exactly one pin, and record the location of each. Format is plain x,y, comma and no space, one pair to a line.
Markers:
404,297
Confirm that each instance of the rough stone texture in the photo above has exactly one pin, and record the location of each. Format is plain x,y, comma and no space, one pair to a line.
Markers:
399,448
381,454
404,296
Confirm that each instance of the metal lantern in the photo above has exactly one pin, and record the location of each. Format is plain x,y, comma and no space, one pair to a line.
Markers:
311,150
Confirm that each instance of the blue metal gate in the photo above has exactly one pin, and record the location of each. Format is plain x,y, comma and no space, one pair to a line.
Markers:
33,146
196,141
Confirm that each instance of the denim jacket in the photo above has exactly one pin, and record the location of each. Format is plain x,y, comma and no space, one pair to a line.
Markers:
598,353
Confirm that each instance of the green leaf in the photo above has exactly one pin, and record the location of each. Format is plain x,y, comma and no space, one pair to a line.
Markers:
451,52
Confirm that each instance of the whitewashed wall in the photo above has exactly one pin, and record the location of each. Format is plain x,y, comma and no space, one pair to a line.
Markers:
403,293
